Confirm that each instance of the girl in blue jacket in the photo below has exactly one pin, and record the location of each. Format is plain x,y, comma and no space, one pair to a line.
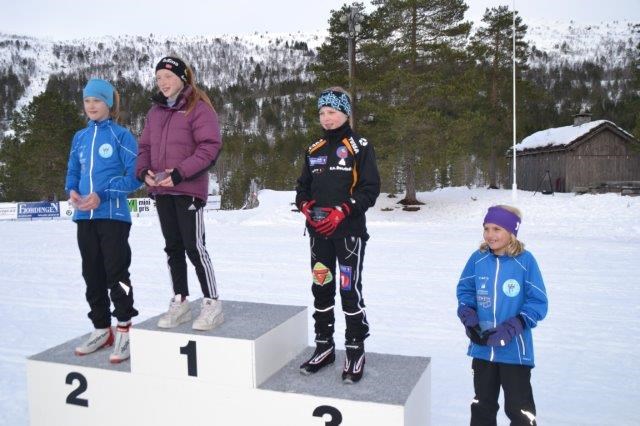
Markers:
501,298
100,174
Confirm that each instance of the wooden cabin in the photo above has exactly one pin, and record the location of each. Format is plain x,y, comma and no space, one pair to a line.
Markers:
589,154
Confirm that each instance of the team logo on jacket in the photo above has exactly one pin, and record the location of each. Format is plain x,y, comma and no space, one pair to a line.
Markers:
105,150
321,274
342,152
363,142
511,288
318,161
345,277
484,301
354,145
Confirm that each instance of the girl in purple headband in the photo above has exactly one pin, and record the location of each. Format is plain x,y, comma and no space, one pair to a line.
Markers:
501,298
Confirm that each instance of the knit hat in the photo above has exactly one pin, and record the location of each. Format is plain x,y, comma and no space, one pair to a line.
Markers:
336,100
504,218
175,65
101,89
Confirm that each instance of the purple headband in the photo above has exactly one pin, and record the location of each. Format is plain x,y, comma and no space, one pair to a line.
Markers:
504,218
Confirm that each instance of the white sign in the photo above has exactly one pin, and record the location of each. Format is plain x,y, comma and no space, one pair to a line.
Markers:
8,211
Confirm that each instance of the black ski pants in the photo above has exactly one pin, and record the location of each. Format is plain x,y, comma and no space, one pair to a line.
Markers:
349,253
182,224
518,396
106,257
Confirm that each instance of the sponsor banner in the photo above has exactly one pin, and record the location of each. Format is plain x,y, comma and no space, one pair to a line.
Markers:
66,210
213,203
8,211
142,206
38,209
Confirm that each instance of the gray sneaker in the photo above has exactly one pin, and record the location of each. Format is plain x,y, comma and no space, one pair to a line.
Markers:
121,347
179,312
99,338
210,316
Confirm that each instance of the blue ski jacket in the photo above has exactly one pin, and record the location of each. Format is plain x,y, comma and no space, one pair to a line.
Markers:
103,160
498,288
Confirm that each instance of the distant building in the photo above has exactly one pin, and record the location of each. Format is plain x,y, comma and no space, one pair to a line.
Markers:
585,155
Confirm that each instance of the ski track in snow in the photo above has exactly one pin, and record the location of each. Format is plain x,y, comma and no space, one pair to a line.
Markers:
586,247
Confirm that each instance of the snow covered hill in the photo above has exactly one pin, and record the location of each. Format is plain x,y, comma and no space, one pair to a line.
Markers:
609,44
265,58
219,61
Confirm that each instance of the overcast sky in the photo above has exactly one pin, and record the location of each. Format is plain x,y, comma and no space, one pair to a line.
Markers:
63,19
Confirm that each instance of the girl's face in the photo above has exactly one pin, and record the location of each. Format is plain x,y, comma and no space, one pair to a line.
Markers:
332,118
95,109
169,83
497,237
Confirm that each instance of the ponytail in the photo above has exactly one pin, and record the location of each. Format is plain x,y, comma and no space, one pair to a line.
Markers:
115,109
196,94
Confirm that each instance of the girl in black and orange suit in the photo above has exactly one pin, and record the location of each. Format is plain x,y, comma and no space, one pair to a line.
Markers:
339,182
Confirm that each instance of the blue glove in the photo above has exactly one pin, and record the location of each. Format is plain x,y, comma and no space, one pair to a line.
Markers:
504,332
468,316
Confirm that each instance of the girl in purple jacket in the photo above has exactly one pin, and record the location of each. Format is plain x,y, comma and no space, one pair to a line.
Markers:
179,143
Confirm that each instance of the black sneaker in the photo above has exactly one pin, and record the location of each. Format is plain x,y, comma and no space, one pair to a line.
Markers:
354,362
324,355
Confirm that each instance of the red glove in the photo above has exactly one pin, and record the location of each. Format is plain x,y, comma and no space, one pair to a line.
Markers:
329,224
306,211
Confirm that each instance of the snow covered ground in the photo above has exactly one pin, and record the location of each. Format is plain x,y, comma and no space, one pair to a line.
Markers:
586,246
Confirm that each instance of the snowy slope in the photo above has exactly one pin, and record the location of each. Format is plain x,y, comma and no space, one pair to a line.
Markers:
220,60
587,371
609,44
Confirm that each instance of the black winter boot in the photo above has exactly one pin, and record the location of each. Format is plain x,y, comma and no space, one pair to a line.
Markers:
354,362
324,355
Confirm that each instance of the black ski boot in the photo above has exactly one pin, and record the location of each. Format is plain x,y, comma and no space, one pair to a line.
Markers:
354,362
324,355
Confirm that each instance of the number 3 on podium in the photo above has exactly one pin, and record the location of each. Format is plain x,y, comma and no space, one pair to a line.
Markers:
336,416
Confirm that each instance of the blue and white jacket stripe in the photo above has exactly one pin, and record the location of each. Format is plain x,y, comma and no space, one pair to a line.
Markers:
102,160
498,288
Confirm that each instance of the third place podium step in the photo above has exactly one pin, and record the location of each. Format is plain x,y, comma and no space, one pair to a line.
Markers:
394,390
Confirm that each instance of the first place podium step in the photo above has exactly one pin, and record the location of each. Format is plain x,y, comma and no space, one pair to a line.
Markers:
244,372
254,341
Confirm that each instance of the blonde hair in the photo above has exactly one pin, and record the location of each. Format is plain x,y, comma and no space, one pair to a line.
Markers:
196,94
515,246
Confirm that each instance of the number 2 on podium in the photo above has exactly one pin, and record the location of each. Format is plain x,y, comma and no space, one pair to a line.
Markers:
192,363
72,398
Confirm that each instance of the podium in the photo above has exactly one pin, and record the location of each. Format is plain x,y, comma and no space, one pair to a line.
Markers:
244,372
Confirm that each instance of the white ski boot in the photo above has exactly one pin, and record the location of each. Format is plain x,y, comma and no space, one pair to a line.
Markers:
121,347
178,313
210,316
99,338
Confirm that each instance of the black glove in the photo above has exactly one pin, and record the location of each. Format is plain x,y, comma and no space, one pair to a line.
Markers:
475,335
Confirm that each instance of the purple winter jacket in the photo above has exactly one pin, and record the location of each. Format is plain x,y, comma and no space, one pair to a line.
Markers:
190,143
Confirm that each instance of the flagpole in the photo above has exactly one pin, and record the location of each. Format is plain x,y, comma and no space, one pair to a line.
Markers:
514,187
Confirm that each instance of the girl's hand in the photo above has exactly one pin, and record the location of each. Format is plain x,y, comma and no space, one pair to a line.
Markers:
150,178
74,198
167,181
91,201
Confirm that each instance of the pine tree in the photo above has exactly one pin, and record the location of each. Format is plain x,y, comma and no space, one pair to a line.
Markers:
34,160
411,63
492,46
